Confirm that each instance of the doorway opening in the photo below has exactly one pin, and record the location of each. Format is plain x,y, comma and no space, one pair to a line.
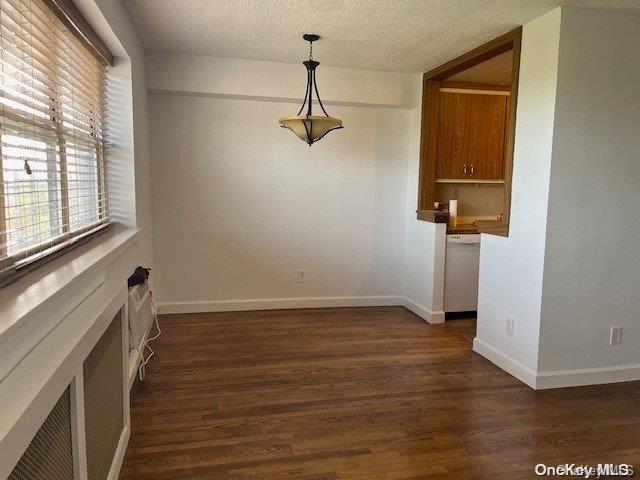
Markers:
466,163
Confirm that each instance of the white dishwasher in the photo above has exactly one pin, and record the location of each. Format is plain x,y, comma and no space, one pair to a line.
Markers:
462,259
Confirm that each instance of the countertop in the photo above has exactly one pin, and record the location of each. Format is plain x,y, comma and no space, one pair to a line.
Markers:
463,228
493,227
433,216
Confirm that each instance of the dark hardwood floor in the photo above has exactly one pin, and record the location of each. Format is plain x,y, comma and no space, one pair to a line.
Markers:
356,393
465,327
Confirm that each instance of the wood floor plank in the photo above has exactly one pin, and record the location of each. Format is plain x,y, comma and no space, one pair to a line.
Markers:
358,394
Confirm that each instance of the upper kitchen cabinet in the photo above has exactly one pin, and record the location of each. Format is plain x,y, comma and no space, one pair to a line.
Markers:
471,132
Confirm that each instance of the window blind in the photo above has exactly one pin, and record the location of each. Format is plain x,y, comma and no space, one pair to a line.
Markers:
52,135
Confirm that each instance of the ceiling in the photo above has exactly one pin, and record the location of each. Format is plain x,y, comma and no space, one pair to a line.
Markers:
401,35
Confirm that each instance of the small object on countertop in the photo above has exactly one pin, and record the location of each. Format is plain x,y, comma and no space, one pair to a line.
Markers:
438,207
453,212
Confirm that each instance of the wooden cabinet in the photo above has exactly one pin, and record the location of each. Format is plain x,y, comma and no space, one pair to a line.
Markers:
471,135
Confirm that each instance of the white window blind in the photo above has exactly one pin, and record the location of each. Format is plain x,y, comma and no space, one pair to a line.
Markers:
52,139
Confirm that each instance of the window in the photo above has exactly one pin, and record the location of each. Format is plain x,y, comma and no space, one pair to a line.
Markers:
52,134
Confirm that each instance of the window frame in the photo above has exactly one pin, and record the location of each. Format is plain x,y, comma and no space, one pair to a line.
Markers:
18,264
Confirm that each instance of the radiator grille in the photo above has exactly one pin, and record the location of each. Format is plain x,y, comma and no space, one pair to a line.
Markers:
103,401
140,314
49,456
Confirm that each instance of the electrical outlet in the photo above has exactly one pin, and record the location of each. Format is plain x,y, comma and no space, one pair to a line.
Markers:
516,201
301,276
615,337
509,325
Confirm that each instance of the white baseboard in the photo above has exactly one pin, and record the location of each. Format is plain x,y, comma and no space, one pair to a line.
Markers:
505,362
588,376
423,312
309,302
118,458
279,303
541,380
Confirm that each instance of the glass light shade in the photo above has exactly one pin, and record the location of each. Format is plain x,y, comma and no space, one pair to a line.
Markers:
317,126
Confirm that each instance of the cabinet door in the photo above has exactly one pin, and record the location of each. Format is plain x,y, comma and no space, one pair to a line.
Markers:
486,129
451,126
471,136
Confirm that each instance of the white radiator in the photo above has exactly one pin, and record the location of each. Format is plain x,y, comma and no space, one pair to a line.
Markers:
65,406
140,315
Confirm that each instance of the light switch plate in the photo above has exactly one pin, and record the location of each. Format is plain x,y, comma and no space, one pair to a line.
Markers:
516,202
509,326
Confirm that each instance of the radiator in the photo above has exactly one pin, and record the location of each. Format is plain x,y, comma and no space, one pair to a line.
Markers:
103,401
68,398
49,456
140,315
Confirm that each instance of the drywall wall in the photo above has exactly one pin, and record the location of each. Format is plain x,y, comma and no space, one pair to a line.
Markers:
592,266
511,269
240,205
424,242
568,271
235,78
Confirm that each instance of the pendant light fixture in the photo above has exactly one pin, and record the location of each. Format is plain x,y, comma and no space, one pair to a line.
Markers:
309,127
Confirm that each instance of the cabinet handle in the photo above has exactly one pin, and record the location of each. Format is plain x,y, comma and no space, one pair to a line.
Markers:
471,169
464,169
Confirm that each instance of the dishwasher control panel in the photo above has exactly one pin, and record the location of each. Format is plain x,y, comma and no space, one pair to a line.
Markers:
470,238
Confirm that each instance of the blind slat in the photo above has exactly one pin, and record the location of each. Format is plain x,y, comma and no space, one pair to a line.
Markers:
52,133
57,81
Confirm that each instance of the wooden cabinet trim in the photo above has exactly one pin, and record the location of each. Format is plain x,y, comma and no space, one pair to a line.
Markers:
432,81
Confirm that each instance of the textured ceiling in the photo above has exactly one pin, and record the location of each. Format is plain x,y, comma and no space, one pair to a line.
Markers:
397,35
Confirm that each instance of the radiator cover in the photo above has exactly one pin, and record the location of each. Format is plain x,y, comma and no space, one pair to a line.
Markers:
49,456
103,400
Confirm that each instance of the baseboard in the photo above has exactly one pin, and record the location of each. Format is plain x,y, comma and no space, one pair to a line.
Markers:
118,458
588,376
505,362
423,312
279,303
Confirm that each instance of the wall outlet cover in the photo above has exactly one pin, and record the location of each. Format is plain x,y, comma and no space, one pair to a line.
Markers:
301,276
615,337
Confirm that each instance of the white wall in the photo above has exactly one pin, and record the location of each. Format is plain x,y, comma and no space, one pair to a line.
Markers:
424,242
592,265
239,204
235,78
569,269
510,283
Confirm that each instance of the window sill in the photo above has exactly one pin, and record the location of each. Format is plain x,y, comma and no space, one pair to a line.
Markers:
34,292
